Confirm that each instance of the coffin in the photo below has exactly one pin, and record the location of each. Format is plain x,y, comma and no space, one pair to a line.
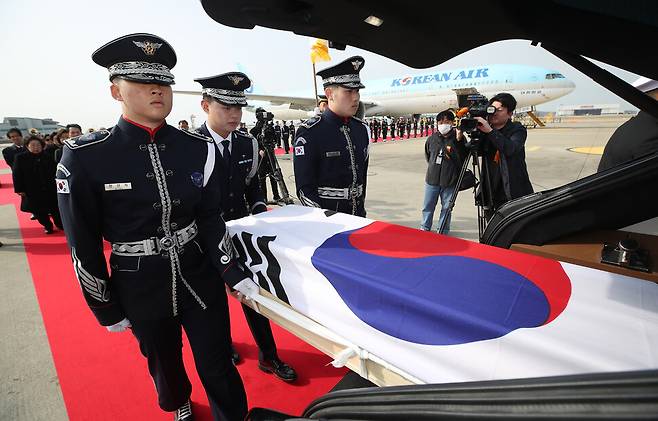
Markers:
399,305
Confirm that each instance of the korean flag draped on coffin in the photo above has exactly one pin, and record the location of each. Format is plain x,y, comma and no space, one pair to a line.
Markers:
448,310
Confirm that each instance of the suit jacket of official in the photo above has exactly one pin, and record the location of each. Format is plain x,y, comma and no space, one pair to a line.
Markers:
633,139
9,153
240,189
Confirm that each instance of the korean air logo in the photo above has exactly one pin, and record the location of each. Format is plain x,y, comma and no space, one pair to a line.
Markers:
441,77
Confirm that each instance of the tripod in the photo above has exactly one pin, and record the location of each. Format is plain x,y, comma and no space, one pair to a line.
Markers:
482,192
277,175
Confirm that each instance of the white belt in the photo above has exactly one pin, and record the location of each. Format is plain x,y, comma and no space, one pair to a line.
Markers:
337,193
153,246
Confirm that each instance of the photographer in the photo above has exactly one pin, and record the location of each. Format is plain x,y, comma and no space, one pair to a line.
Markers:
504,150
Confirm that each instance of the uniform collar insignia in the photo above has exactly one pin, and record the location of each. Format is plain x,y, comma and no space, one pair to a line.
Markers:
148,47
236,79
357,64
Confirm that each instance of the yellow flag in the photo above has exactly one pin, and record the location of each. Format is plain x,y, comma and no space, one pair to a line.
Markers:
320,51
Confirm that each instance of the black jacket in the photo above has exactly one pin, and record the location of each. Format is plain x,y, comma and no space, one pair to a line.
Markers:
506,156
9,154
133,184
450,153
52,151
240,189
34,175
633,139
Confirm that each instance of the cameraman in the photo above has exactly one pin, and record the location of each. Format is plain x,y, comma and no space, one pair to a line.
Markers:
264,132
504,150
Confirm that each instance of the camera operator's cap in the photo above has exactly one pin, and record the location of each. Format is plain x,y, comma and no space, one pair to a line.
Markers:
646,85
227,88
322,98
345,74
143,58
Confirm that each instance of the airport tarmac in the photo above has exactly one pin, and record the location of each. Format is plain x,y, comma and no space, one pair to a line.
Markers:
396,173
29,386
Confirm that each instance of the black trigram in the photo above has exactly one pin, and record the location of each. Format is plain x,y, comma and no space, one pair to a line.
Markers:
272,266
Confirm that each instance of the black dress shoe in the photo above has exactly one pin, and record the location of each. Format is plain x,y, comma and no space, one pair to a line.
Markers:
32,217
48,230
235,357
280,369
184,413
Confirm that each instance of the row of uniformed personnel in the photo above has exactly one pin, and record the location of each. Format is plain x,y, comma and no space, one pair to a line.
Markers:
160,210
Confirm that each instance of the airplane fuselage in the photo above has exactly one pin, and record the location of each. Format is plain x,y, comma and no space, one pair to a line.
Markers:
435,90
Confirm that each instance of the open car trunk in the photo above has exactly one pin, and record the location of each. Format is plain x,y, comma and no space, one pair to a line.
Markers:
612,199
630,396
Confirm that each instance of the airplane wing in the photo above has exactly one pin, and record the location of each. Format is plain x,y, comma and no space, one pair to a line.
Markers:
295,102
298,103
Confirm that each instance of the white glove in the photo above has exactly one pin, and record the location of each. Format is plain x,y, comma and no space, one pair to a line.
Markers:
248,288
119,327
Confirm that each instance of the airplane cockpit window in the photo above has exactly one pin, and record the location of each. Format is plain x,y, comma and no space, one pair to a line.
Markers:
554,76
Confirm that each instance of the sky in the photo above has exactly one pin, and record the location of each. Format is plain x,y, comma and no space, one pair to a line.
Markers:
47,72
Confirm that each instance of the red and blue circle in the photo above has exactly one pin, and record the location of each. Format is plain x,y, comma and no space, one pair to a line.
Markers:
437,290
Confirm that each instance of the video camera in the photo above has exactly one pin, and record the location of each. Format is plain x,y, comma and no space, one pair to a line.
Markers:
262,115
478,107
264,133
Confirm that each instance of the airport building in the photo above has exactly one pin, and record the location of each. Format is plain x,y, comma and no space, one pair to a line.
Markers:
24,124
588,109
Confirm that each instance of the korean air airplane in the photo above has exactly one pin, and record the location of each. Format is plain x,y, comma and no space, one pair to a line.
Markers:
434,90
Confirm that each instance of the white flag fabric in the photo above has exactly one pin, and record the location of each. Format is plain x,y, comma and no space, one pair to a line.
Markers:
449,310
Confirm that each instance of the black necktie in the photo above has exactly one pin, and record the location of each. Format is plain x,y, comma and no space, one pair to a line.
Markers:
227,154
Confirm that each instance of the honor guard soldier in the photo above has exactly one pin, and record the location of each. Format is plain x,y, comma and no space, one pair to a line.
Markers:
285,136
237,152
292,130
331,150
160,210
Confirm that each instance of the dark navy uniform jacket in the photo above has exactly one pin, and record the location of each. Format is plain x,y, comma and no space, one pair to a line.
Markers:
131,184
331,163
241,193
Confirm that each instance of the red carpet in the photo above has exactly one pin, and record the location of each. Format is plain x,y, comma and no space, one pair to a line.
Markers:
104,377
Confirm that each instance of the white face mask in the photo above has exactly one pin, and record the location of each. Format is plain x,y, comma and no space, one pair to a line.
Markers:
444,128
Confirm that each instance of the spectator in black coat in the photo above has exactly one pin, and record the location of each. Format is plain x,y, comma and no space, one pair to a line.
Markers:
34,181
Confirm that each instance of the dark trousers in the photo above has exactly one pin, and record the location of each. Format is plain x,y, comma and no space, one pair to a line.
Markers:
209,334
44,218
286,145
262,333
